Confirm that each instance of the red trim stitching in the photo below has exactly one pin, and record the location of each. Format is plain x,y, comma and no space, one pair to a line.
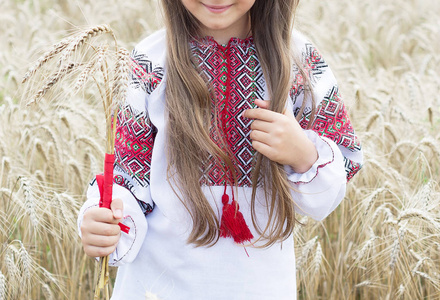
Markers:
320,166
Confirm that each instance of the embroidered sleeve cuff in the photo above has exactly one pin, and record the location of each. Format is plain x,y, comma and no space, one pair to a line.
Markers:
131,242
325,157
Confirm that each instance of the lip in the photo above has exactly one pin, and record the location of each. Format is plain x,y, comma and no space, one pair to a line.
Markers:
217,9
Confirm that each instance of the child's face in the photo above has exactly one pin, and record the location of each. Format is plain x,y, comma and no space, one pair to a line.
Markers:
221,18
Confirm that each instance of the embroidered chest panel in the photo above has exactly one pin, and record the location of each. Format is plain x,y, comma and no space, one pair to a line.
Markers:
236,79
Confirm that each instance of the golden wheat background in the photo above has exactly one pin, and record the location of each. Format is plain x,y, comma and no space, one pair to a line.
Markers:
383,242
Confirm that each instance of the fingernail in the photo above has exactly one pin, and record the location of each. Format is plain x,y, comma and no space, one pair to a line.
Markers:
118,214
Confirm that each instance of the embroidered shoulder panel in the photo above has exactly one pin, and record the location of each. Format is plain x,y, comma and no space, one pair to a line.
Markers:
145,74
134,144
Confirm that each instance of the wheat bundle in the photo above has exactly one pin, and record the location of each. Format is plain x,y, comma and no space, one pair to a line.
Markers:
112,89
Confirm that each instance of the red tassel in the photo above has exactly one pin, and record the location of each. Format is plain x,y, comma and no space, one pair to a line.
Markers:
233,223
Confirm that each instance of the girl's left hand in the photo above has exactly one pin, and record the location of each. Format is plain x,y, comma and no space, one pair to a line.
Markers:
280,138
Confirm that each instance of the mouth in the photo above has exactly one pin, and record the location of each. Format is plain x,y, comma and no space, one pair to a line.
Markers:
217,9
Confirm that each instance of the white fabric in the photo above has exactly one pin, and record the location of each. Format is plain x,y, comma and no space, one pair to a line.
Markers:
163,263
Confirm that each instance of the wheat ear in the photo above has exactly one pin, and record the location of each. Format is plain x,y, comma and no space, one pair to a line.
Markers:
54,79
2,286
90,68
81,38
57,48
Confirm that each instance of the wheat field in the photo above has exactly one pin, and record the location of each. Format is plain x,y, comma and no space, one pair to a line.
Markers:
383,241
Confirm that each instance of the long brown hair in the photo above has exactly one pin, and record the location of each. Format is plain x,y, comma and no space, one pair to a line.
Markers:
188,101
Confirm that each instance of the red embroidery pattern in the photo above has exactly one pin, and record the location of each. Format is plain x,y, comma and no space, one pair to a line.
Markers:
237,79
134,144
134,132
143,73
331,119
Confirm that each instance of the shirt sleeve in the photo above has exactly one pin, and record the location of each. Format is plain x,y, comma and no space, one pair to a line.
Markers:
319,191
134,141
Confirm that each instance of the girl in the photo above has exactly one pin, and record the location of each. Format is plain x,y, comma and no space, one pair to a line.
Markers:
232,123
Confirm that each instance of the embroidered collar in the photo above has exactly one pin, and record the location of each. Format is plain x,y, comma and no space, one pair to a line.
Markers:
209,41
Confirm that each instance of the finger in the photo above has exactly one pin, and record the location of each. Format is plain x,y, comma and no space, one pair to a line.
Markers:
262,126
264,149
117,208
261,136
262,103
98,251
102,240
261,114
99,228
99,214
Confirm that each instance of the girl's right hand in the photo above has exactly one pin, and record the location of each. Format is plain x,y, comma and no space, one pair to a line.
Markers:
100,231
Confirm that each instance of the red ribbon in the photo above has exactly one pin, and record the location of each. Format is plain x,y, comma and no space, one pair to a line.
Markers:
107,189
105,185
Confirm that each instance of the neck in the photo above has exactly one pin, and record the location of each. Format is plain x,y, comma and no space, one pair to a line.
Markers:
222,36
